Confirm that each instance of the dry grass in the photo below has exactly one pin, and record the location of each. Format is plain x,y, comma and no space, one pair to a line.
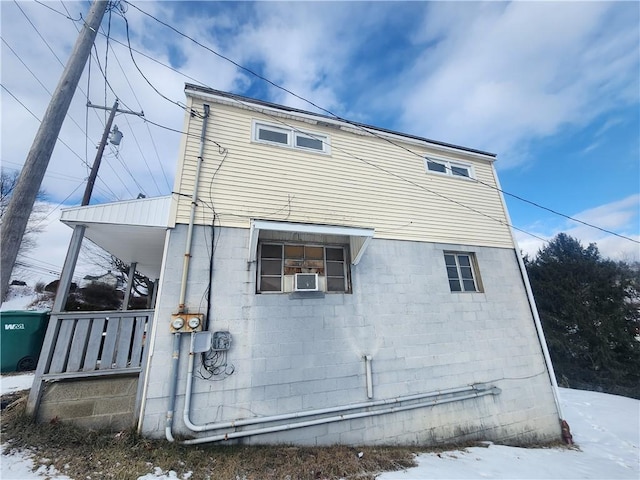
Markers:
82,454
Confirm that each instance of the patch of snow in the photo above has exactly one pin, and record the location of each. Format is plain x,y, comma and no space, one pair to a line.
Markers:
15,383
606,428
23,297
159,474
19,465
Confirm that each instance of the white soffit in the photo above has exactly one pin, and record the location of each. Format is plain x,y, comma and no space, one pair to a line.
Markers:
359,238
133,230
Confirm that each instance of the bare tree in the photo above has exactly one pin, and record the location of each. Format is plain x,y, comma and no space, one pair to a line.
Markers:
8,182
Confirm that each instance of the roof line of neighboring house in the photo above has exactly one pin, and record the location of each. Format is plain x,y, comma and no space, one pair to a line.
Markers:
233,96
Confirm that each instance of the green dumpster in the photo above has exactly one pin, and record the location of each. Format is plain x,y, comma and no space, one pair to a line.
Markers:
21,336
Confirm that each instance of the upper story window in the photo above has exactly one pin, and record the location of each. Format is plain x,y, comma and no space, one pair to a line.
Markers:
289,137
462,272
288,267
446,167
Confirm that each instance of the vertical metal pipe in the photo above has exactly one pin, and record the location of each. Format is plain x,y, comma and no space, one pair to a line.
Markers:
367,363
194,204
173,385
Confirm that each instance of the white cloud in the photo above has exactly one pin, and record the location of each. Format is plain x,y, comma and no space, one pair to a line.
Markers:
488,75
501,75
621,216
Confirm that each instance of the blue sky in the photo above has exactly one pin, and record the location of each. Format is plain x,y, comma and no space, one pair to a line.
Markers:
551,87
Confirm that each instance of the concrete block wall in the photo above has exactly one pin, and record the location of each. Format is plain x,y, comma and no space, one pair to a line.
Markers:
99,403
292,353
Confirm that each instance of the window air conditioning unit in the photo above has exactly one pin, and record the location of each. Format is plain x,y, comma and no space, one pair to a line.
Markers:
305,282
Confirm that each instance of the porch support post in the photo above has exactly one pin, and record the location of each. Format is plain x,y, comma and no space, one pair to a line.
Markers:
68,268
60,301
127,293
154,295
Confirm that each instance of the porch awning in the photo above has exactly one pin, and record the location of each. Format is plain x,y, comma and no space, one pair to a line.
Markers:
133,230
358,238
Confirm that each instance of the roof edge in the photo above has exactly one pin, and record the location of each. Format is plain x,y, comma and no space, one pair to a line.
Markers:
189,87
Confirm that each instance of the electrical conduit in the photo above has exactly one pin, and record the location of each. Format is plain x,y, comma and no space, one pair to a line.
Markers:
175,360
430,399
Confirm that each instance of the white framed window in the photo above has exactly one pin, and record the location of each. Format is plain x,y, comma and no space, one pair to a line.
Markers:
269,134
446,167
289,137
280,263
462,272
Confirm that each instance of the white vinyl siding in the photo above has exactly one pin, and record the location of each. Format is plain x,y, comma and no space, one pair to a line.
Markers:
351,187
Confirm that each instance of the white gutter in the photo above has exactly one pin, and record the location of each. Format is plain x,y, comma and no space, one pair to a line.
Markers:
532,302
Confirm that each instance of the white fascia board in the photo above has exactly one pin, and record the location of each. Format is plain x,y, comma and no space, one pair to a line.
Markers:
318,229
152,212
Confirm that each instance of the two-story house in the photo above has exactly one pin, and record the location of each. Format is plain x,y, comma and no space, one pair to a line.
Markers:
323,281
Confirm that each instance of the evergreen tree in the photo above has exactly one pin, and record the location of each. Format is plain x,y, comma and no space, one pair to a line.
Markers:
590,311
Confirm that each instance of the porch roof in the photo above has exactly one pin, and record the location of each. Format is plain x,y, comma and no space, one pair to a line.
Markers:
132,230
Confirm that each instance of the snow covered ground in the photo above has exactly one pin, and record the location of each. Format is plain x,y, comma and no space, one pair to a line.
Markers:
606,428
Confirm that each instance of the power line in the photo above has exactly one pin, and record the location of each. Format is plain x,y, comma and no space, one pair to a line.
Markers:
126,22
58,12
41,84
40,121
399,177
143,156
361,127
126,77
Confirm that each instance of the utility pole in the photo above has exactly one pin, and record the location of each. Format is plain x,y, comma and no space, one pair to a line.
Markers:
26,190
75,243
96,164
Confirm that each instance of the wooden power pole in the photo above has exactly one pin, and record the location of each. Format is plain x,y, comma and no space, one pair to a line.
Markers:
24,195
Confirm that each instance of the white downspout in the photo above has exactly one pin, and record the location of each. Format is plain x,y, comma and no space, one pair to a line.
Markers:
532,301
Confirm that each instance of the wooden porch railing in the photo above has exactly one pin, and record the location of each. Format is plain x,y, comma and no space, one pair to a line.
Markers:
91,344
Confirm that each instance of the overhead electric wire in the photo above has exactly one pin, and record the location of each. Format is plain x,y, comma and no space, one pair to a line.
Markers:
40,121
144,159
126,77
399,177
58,12
357,125
41,84
116,153
126,22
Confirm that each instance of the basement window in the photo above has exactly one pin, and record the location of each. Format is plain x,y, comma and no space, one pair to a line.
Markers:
462,272
282,266
290,137
445,167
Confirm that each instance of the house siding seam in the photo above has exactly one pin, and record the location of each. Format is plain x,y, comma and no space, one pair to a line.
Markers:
295,354
272,182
